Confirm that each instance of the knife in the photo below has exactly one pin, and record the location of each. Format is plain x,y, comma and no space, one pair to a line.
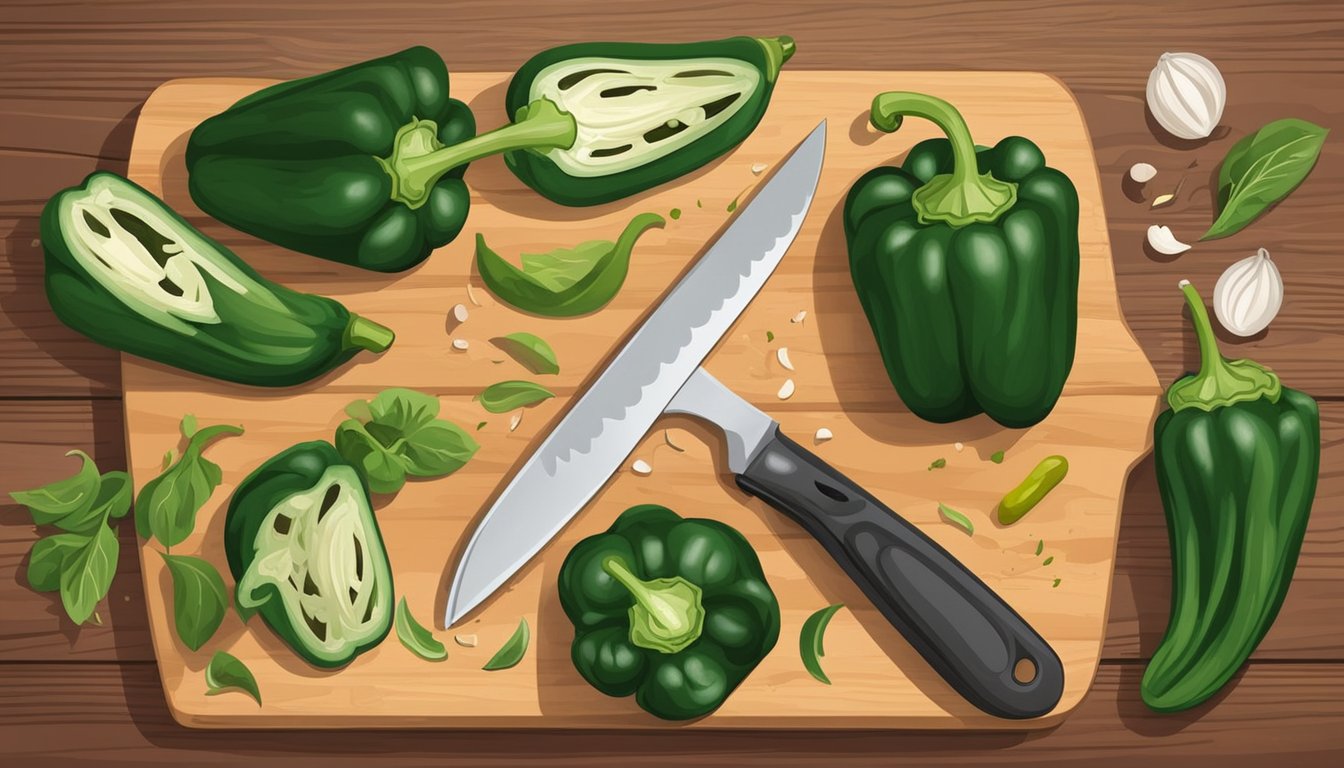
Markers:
973,639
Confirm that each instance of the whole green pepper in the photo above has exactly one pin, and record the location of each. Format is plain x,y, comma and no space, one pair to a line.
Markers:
646,113
362,165
673,610
965,261
1237,458
125,270
305,551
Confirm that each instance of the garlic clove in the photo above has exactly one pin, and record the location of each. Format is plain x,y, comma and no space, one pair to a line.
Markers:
823,435
460,344
800,317
786,391
1161,240
1186,95
1142,172
782,355
641,468
1248,295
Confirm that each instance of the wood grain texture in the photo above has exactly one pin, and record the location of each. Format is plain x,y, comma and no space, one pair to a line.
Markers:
1102,422
1270,714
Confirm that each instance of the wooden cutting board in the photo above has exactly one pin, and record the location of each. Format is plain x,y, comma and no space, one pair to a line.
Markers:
1102,424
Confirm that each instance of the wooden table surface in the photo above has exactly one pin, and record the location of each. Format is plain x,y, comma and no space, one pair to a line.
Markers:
72,77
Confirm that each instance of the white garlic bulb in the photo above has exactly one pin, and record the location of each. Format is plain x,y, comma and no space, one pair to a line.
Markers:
1186,94
1248,295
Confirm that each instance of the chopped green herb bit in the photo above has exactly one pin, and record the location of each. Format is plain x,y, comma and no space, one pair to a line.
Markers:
482,424
938,464
956,518
674,214
810,641
1056,584
1040,545
769,336
1048,560
996,457
699,204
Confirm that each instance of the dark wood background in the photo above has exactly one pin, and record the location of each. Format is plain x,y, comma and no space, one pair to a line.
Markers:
72,77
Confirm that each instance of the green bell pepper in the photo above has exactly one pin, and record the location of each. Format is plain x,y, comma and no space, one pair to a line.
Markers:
965,261
673,610
304,549
362,165
125,270
645,113
1237,457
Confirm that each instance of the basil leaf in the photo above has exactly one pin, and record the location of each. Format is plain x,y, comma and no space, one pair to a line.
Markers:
199,599
415,637
382,470
566,281
436,449
403,409
810,641
508,395
513,650
226,673
87,574
167,505
63,497
46,561
112,501
1262,169
530,351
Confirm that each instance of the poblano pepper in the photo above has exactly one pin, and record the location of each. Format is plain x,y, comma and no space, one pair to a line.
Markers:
305,551
362,165
1237,458
965,261
673,610
125,270
646,113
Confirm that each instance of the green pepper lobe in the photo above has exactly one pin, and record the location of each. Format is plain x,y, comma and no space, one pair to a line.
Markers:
1220,382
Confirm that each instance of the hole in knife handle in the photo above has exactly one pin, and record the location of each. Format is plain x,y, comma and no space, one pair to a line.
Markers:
830,492
1024,671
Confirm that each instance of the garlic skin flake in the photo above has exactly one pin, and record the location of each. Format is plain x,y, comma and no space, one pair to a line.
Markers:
1186,95
1248,295
1161,240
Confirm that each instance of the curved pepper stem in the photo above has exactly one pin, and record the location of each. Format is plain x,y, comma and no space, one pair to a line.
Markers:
777,51
1219,382
962,196
363,333
419,159
667,615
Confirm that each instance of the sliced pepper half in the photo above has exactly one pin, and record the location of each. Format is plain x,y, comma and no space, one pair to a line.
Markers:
305,550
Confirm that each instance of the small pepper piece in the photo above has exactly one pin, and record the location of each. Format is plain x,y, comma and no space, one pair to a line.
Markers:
965,261
1040,481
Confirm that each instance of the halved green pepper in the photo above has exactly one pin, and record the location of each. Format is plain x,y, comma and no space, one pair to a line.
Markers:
305,551
125,270
676,611
965,260
645,113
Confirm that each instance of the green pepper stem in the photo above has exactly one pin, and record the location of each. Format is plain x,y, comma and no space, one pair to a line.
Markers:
962,196
667,615
777,51
1219,382
419,159
363,333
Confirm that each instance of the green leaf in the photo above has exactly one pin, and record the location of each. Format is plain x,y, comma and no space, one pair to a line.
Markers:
436,449
513,650
1048,560
1262,169
937,464
72,495
996,457
403,409
112,501
480,426
199,598
398,434
810,641
226,673
956,518
167,505
46,561
566,281
1040,545
87,574
509,395
530,351
415,637
188,426
382,470
769,336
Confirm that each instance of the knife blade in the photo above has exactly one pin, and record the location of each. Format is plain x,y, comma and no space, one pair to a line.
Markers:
608,420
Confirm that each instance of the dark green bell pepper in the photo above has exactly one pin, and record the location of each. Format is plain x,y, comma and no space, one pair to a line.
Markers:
965,261
125,270
305,551
646,113
1237,457
675,611
362,165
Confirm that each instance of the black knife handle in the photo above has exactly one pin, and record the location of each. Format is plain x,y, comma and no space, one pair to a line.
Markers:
966,632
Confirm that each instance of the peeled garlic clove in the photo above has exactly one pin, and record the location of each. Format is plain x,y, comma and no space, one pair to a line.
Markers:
782,355
1142,172
1186,94
823,435
786,391
642,468
1161,240
1249,295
